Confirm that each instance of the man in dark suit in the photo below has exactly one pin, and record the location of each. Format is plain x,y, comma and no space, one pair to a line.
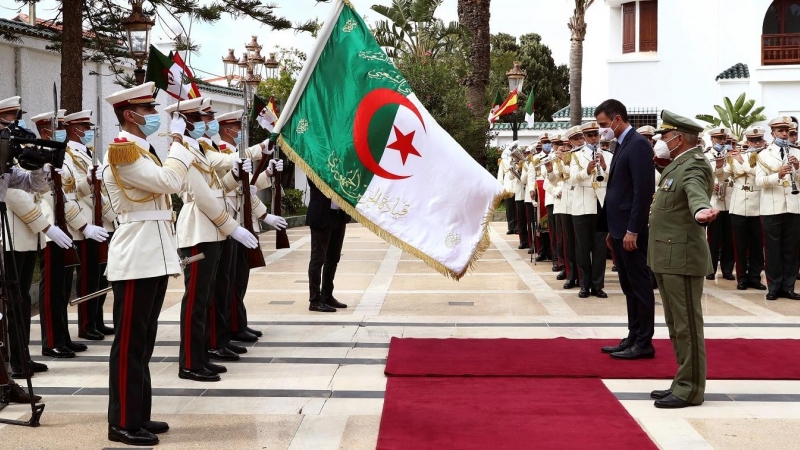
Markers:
327,222
631,184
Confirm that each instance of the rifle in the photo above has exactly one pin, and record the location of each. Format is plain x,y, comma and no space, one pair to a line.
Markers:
254,256
281,238
97,196
71,254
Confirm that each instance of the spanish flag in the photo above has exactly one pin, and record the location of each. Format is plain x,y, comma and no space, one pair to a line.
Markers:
507,107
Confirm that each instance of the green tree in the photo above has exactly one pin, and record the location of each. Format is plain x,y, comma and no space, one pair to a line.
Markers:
736,116
577,28
474,16
410,29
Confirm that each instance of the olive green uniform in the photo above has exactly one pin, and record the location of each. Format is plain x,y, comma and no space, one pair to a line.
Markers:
678,255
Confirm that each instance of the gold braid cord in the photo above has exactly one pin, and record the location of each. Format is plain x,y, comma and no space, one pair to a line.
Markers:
206,147
210,172
128,153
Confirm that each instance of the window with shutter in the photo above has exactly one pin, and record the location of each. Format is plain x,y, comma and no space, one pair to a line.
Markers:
648,26
629,27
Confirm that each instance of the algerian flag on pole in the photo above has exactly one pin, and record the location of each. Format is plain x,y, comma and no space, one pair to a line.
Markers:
358,132
495,106
529,110
171,74
264,113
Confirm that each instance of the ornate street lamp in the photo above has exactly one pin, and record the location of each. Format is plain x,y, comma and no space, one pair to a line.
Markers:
137,25
271,65
230,62
516,78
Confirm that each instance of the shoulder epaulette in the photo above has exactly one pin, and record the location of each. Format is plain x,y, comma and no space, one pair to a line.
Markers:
206,146
701,157
223,147
122,151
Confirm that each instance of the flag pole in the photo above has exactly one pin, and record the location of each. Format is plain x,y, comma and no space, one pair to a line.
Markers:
305,74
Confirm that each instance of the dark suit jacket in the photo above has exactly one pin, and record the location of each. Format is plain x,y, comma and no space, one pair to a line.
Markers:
319,209
631,185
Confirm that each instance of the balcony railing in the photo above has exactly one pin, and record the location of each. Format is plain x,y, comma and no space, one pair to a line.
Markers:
780,49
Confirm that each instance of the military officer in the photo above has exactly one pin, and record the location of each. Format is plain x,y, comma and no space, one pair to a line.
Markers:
555,177
720,236
589,192
519,204
552,194
141,257
204,223
80,135
567,224
648,132
506,179
679,256
776,174
744,212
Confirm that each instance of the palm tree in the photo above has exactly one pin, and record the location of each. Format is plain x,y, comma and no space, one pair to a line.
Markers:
474,16
736,116
410,29
577,26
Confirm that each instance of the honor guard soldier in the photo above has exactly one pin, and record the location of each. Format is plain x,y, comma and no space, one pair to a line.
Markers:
231,136
777,177
519,200
720,236
648,132
587,173
506,179
142,255
205,221
744,212
551,192
534,203
80,133
793,133
679,256
567,225
554,183
29,226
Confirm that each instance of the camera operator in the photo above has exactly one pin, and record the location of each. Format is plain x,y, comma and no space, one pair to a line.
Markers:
18,179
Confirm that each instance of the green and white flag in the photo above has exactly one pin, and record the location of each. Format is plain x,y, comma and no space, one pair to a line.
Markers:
359,133
529,110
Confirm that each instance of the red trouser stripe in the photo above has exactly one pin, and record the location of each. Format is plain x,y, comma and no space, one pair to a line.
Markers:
187,329
84,307
127,313
48,304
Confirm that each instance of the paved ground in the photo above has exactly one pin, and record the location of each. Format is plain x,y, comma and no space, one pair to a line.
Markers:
315,381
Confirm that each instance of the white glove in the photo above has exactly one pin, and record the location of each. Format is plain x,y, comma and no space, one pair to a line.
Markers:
247,165
274,164
277,222
95,233
265,148
253,190
60,171
59,237
177,125
245,237
46,168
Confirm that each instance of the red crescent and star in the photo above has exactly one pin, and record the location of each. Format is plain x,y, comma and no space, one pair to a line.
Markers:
404,143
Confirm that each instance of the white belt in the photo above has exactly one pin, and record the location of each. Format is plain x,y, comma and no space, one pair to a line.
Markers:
231,194
747,187
145,216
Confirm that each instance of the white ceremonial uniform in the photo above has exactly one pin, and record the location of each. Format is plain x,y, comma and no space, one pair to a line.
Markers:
84,193
139,188
587,191
745,197
721,180
776,193
529,179
559,188
27,220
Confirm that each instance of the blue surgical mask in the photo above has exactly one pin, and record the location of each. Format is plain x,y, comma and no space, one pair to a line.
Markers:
21,123
547,147
199,130
212,128
238,138
780,142
728,148
718,147
592,147
60,136
88,136
152,123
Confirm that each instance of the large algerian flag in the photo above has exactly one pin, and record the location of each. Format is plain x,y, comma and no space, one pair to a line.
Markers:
171,74
265,113
360,134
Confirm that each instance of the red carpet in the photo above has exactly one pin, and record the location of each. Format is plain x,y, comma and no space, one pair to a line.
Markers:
505,413
728,359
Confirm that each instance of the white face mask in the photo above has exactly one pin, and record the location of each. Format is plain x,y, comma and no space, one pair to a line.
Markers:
607,134
661,149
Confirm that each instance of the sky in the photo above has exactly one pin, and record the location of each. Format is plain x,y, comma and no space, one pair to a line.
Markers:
516,17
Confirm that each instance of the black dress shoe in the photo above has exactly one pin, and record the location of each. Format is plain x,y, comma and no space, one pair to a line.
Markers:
511,232
198,375
710,277
555,268
37,367
255,333
584,293
532,251
244,336
635,352
238,349
623,344
155,427
523,246
216,368
570,284
672,402
140,437
658,395
614,268
18,395
223,354
60,352
92,335
728,276
335,303
108,331
561,275
320,307
77,347
541,257
757,285
772,295
742,286
599,293
789,295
